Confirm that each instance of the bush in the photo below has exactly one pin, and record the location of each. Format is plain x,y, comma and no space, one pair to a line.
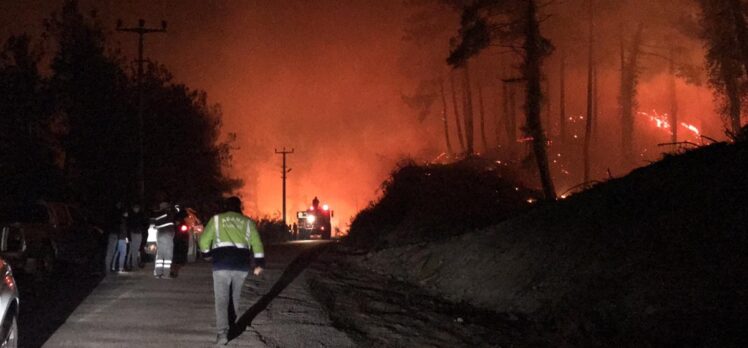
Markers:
272,231
429,202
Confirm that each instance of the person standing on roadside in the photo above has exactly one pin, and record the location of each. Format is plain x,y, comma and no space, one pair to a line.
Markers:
120,253
113,229
230,239
164,223
137,224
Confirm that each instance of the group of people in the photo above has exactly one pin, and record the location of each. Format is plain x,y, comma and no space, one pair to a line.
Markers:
125,238
128,232
230,240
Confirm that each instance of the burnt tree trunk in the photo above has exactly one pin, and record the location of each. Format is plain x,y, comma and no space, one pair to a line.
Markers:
482,115
673,97
457,112
595,103
546,102
732,87
444,120
727,54
628,96
535,50
499,117
562,99
590,96
510,119
468,105
741,31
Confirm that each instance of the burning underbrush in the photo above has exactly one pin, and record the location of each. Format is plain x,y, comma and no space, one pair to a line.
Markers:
656,258
431,202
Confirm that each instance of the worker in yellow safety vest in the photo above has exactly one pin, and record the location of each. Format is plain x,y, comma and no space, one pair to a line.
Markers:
231,240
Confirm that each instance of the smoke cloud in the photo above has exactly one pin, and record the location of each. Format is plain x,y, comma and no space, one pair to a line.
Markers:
337,82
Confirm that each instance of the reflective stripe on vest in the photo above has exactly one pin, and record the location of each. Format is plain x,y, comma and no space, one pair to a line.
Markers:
218,222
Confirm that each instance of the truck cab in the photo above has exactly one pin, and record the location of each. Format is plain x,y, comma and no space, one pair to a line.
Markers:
315,222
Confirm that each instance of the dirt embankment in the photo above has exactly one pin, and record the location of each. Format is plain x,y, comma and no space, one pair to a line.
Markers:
379,311
656,257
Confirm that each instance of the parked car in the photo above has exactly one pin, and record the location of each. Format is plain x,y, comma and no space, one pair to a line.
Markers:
34,237
25,236
8,307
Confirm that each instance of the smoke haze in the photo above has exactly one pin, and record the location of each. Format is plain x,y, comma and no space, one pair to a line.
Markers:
330,79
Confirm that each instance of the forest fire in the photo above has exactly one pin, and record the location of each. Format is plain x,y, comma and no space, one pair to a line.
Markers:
405,81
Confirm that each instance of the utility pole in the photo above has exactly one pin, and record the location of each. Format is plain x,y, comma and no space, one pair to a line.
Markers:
141,30
284,175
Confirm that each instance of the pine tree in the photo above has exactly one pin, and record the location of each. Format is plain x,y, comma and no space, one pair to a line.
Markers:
515,24
727,55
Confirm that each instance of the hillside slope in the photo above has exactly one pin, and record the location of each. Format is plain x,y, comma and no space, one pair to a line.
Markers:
656,257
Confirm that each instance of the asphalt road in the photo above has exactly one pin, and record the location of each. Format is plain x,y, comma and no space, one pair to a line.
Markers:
137,310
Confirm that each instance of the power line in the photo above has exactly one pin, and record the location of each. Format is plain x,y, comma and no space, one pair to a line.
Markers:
284,175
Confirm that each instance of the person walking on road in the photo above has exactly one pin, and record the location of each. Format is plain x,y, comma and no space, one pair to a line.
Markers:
164,223
230,239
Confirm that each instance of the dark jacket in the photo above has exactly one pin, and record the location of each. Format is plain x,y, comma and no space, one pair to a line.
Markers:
136,222
164,220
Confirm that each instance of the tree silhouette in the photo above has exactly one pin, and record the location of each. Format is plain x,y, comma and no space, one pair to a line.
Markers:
184,155
81,123
91,92
629,81
26,145
445,114
727,54
511,23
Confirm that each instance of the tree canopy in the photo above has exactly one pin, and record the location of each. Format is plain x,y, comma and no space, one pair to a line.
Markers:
73,135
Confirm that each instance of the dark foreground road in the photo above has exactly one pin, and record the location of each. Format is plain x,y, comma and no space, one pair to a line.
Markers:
136,310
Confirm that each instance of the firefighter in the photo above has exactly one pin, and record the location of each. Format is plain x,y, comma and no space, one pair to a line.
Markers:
164,223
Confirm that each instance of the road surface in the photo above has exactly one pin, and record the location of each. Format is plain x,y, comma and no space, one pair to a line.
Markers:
137,310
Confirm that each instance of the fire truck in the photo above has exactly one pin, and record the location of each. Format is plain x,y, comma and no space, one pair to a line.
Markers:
314,223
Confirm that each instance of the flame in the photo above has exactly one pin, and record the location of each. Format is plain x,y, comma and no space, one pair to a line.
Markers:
691,128
661,120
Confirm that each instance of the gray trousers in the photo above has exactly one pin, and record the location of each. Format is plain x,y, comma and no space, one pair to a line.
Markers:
225,283
164,252
133,254
111,247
